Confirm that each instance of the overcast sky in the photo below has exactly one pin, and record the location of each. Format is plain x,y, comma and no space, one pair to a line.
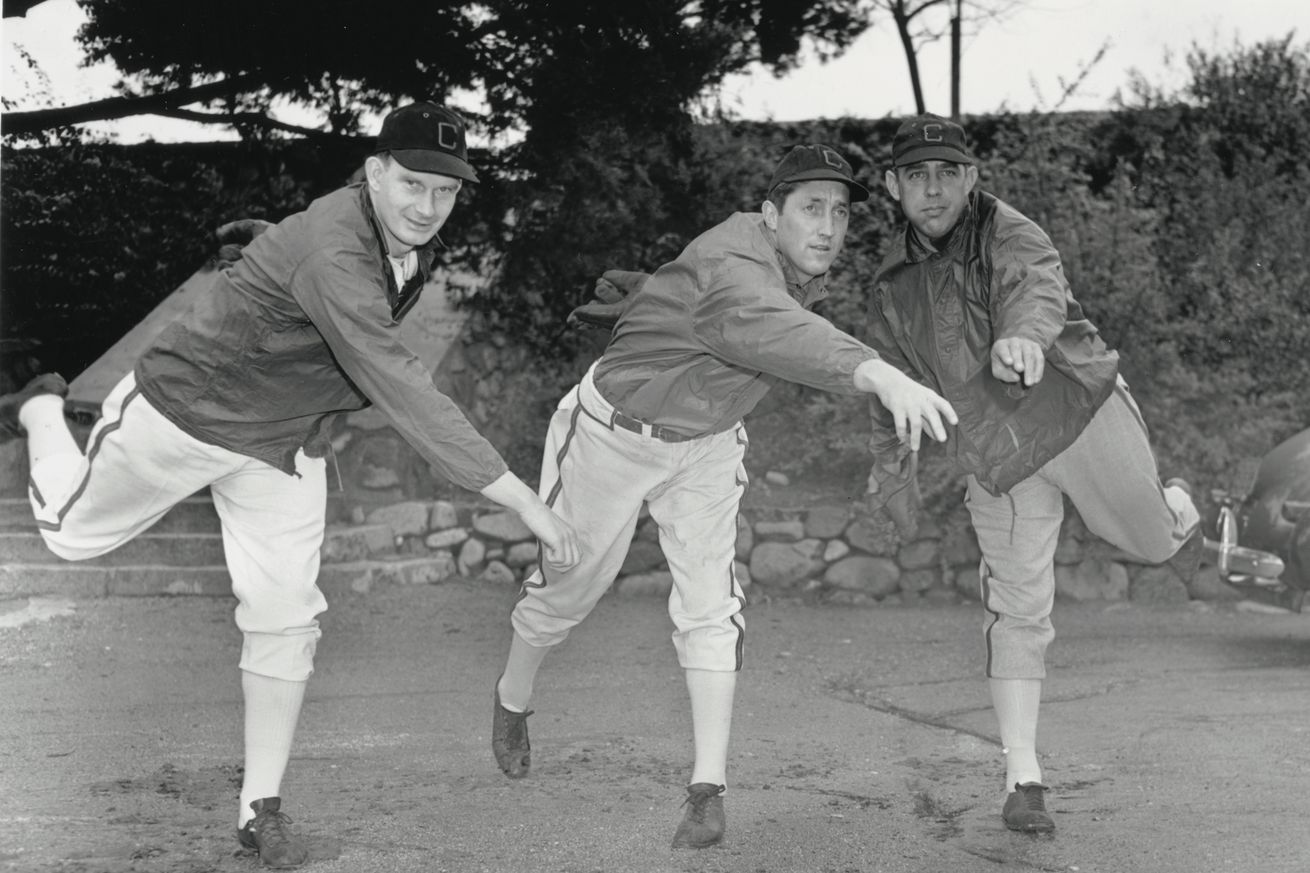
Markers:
1017,63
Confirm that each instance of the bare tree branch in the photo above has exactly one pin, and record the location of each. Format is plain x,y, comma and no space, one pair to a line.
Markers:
28,122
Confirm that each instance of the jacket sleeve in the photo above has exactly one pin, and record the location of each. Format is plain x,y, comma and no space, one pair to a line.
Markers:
893,468
747,318
1029,293
352,313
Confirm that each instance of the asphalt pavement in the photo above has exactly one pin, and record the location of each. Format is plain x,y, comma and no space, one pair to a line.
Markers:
1176,740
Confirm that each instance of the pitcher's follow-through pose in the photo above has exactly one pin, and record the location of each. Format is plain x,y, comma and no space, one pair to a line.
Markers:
657,419
238,396
973,302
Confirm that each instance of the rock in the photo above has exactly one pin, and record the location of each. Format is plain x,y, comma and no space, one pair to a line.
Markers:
521,554
504,526
643,555
919,579
919,554
356,543
745,538
743,573
960,545
404,518
967,582
875,576
471,555
940,596
1092,579
498,574
427,570
786,565
654,584
443,516
1156,584
789,531
826,522
1069,550
648,531
835,551
773,477
446,539
874,535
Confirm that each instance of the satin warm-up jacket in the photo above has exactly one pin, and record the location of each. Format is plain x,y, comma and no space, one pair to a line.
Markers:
305,327
708,334
935,312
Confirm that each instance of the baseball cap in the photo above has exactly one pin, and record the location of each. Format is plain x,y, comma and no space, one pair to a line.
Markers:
930,138
427,138
807,163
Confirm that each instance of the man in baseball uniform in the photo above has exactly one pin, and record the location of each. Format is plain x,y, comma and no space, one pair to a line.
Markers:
657,420
973,302
239,396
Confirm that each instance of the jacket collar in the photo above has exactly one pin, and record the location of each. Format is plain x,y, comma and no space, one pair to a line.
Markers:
401,298
919,248
806,293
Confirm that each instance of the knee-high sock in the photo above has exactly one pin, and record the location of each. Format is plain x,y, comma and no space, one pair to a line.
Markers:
271,712
1016,702
47,430
520,673
711,695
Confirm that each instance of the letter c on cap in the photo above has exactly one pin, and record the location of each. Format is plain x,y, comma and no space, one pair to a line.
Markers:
448,136
832,159
932,133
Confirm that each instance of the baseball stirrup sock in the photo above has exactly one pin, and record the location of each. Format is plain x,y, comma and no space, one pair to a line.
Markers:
272,710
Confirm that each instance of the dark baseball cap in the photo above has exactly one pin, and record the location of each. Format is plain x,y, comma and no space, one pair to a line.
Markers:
808,163
930,138
427,138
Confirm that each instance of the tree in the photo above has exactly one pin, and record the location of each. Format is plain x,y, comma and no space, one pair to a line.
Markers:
237,58
921,22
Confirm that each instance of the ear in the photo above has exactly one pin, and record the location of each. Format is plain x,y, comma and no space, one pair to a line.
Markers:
374,169
893,184
770,214
971,177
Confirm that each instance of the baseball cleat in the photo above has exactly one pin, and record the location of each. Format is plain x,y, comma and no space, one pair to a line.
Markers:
509,739
269,834
1025,809
703,823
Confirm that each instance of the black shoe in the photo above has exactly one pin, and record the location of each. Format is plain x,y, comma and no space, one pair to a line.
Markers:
46,383
268,834
1025,809
509,739
704,823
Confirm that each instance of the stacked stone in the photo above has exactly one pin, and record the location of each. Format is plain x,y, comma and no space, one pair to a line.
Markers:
831,552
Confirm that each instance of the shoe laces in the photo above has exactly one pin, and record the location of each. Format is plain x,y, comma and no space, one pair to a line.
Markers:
700,797
271,826
1032,797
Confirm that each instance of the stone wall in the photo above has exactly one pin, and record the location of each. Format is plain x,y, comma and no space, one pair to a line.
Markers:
829,552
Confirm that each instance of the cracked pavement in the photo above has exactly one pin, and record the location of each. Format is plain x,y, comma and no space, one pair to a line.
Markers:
1175,739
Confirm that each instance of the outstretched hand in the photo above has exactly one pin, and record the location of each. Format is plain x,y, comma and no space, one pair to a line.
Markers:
1016,357
915,408
559,542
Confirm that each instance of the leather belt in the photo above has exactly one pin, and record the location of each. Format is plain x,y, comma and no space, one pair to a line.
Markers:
663,434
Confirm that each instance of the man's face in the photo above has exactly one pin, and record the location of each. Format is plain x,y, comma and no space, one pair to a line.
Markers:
811,225
411,206
932,194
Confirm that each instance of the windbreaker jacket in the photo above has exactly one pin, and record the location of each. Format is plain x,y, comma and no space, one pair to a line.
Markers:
708,334
935,313
304,327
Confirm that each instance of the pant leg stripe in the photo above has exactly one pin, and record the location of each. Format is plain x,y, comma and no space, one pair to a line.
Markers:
996,616
91,454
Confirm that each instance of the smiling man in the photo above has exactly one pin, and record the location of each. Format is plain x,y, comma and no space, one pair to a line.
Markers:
657,420
239,395
972,301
